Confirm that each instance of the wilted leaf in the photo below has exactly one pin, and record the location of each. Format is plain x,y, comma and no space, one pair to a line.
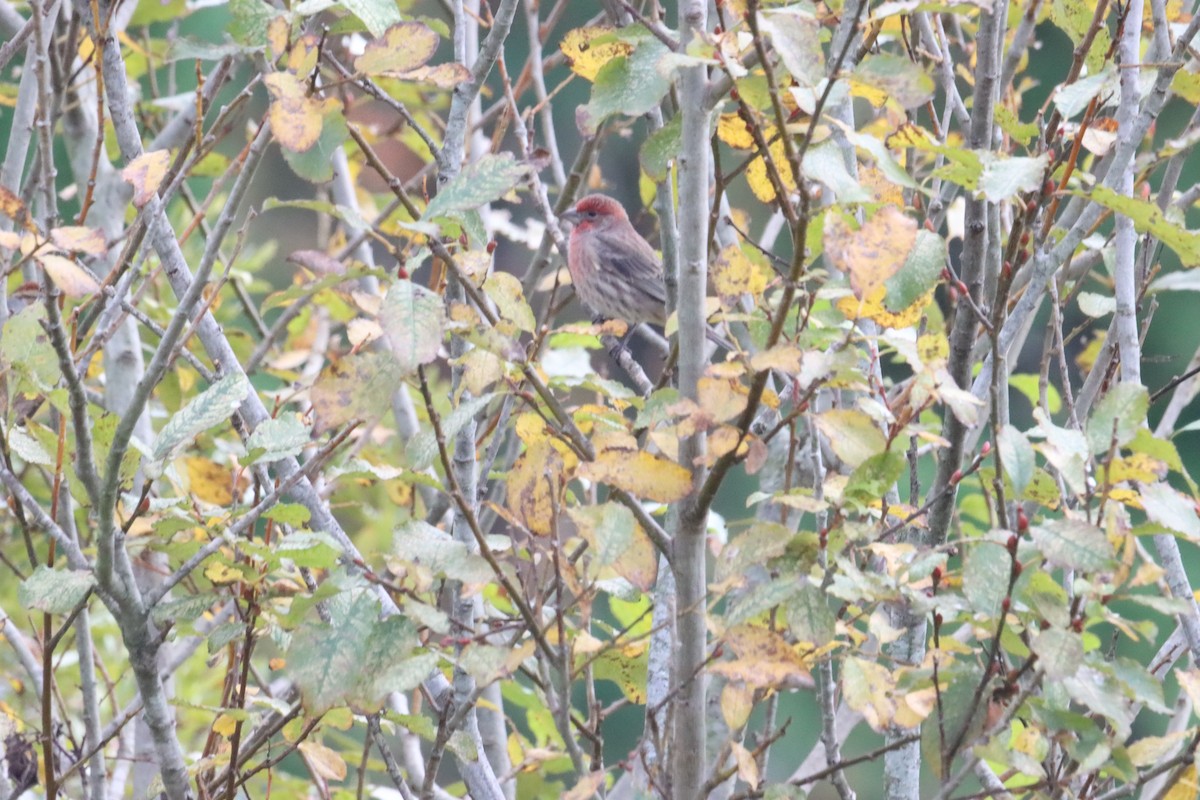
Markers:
359,386
296,117
873,253
534,480
621,464
763,658
869,689
402,47
324,762
210,481
145,173
734,274
78,239
72,279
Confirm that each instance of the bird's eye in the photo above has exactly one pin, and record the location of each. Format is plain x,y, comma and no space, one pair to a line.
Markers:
592,214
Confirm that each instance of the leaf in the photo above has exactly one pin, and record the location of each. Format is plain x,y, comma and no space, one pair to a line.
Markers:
1148,218
479,183
631,84
412,318
276,439
324,762
78,239
1117,417
853,435
1004,178
377,15
763,658
873,478
72,279
402,47
873,253
824,162
1073,544
1060,652
422,448
894,77
810,617
504,289
985,576
621,464
533,482
145,173
359,386
54,591
1017,457
796,36
296,117
661,148
420,543
869,689
315,164
1170,509
735,275
210,408
209,481
618,542
590,48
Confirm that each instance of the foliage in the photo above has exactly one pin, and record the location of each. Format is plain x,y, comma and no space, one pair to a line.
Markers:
314,471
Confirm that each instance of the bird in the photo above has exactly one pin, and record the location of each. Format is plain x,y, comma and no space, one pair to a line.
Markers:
615,271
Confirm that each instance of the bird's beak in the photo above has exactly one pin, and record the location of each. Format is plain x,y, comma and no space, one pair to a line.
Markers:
571,216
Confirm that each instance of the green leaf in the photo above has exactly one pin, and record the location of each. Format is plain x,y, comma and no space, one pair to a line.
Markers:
985,575
1004,178
903,80
853,435
422,449
1120,413
1059,651
275,439
479,183
315,164
629,85
26,348
377,15
412,318
315,550
661,148
873,478
1017,457
1148,218
250,21
55,591
504,289
961,716
809,615
418,542
208,409
359,386
825,163
1074,544
292,514
796,36
920,273
1170,509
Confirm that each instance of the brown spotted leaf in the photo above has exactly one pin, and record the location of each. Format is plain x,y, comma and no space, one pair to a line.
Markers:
402,48
296,118
874,252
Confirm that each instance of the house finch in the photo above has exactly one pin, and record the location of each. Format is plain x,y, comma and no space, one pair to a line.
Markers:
616,272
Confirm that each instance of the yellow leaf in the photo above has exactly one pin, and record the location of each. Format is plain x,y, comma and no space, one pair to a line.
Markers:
746,765
737,701
296,118
734,275
585,787
79,239
722,399
403,47
325,763
277,663
277,36
757,174
874,252
538,472
73,279
732,130
871,307
1185,787
222,573
584,56
210,481
224,725
620,464
868,688
764,659
145,173
853,435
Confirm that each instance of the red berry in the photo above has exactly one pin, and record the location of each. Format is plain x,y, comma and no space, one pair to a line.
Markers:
491,247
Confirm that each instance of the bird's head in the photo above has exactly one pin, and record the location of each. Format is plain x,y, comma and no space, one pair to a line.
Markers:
595,210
